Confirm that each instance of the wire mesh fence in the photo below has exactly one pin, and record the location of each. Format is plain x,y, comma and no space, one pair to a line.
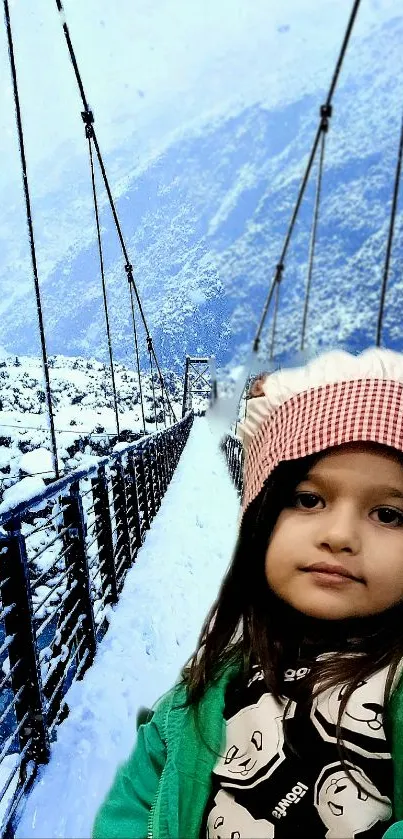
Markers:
65,555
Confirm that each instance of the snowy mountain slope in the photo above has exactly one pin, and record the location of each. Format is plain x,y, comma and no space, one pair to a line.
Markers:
206,222
152,71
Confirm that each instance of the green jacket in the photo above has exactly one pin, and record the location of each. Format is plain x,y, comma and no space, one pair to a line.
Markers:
163,788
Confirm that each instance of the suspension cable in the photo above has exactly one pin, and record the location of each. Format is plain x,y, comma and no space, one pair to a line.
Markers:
136,347
276,304
390,238
88,132
163,403
161,378
164,396
278,275
90,116
31,238
343,51
152,383
314,231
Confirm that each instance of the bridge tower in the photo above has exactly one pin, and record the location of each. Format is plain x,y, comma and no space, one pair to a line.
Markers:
200,380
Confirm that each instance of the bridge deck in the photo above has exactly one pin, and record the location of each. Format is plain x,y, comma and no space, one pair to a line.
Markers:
153,629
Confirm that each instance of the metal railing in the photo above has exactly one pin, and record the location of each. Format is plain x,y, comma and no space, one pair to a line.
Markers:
64,557
233,450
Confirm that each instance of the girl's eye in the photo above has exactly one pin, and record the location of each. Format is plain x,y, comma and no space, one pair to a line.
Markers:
385,515
306,500
388,515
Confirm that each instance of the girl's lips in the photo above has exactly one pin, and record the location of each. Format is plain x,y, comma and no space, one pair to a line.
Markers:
323,570
332,579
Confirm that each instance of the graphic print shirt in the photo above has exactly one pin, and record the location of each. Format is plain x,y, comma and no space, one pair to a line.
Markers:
268,786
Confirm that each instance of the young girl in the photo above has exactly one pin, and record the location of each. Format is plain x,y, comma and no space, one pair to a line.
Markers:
286,722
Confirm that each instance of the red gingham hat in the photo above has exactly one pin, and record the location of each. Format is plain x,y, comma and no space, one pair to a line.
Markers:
337,398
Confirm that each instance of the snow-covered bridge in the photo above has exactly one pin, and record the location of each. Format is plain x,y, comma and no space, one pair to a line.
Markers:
67,589
153,629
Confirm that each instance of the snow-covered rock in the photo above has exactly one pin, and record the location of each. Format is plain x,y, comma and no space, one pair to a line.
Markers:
38,462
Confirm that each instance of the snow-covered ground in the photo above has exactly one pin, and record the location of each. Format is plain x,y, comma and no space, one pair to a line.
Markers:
84,415
154,628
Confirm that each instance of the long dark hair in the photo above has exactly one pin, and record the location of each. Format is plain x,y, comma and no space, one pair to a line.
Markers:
249,623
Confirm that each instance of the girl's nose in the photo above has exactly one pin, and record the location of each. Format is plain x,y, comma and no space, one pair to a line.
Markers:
340,533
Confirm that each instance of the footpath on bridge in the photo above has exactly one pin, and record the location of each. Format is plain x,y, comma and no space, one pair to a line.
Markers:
153,630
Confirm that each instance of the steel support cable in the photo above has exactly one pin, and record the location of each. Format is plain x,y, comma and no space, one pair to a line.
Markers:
88,132
325,110
167,409
31,237
280,264
152,382
89,117
343,51
275,313
150,347
390,237
163,404
136,349
162,379
313,235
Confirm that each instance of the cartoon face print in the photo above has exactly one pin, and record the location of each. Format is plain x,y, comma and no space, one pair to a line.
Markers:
254,741
229,820
345,809
362,721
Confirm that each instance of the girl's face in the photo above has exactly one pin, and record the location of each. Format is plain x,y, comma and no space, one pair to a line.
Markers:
337,551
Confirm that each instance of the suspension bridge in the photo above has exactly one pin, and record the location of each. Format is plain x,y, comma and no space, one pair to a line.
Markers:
103,593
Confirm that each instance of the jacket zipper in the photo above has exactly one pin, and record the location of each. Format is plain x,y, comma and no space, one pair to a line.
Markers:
151,816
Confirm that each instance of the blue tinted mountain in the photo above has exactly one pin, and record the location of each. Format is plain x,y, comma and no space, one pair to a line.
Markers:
205,224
